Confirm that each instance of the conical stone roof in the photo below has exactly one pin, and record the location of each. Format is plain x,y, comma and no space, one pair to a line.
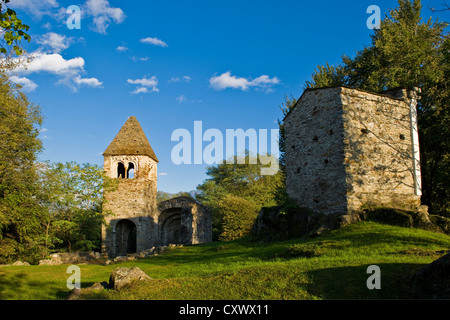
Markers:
130,140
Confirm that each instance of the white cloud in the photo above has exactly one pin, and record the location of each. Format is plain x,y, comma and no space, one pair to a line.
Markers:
121,48
181,98
37,8
90,82
178,79
264,81
163,174
52,63
144,84
103,14
100,10
139,90
55,42
47,26
27,84
152,82
154,41
68,71
226,80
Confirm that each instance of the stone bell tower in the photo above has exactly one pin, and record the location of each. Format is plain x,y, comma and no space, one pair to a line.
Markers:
131,209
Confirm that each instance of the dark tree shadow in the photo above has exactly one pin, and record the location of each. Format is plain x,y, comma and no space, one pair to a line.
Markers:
351,282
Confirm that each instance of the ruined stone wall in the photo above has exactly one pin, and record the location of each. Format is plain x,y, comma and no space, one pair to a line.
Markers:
347,148
196,220
378,150
315,174
137,196
134,199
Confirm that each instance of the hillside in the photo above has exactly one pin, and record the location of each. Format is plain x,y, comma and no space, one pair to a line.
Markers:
331,266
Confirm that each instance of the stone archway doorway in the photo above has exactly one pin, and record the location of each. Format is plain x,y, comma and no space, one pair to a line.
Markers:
170,227
125,237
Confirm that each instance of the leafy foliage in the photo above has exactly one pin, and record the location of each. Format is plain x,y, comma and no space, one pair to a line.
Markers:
238,216
43,206
20,213
407,52
163,196
235,193
72,195
13,30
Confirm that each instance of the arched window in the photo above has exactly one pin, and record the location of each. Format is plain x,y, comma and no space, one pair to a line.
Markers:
130,171
120,170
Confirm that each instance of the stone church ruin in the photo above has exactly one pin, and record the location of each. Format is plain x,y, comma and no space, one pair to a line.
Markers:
347,149
136,222
350,155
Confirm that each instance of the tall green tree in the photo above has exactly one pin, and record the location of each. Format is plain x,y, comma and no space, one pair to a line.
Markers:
20,213
72,196
235,193
408,52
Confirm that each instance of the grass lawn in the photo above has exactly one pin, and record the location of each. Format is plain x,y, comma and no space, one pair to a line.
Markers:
332,266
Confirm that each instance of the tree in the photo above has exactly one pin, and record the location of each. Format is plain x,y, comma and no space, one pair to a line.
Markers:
13,30
72,195
237,216
20,213
407,52
235,193
163,196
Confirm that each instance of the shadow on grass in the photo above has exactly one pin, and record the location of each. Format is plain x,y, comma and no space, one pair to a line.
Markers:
11,282
242,249
21,286
201,253
351,282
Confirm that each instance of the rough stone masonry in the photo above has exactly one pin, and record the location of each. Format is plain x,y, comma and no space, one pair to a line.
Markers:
135,222
347,149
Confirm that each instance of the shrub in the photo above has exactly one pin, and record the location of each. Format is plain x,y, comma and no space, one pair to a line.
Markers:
238,217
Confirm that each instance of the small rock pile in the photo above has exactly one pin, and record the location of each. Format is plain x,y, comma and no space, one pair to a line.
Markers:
92,257
154,251
78,257
119,279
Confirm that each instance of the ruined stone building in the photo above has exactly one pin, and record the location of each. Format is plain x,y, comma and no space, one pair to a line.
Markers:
135,221
347,149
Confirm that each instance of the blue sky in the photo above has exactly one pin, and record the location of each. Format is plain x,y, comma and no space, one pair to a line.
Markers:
228,64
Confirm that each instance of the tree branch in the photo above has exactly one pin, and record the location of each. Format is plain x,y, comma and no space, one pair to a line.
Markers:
446,7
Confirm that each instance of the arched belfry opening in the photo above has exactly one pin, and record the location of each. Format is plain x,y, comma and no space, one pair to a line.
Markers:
126,237
120,170
131,170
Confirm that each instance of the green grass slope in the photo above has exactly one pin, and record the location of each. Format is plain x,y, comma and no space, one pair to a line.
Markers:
332,266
